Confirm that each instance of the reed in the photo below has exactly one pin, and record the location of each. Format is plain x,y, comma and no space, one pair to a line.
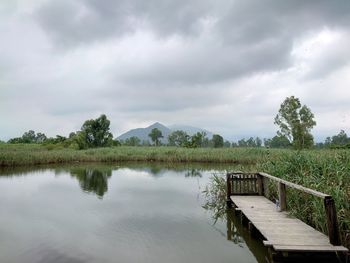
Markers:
32,154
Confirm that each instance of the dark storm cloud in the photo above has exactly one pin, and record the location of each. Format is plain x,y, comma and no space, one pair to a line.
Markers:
245,36
239,22
82,21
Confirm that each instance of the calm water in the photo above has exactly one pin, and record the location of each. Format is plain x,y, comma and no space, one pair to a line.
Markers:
111,213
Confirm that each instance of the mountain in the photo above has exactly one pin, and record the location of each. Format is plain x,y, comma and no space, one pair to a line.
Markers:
190,129
142,133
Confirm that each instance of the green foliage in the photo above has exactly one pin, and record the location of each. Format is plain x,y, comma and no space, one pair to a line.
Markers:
251,142
197,139
340,140
155,136
29,137
227,144
215,197
218,141
95,133
93,180
295,122
178,138
278,141
132,141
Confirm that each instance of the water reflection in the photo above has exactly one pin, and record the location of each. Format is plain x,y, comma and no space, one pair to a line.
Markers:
92,180
193,173
238,234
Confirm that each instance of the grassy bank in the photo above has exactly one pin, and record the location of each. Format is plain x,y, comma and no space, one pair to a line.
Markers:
32,154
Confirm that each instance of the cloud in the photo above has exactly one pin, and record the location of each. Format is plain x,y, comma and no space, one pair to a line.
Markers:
223,65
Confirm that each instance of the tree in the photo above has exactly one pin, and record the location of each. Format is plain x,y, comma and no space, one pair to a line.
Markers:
155,135
340,139
40,137
30,137
242,143
95,133
197,139
227,144
278,141
295,122
133,141
218,141
178,138
258,142
251,142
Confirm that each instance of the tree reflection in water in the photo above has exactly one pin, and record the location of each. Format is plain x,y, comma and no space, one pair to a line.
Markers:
93,180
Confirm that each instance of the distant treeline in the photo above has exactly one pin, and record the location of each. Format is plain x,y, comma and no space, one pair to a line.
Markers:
95,133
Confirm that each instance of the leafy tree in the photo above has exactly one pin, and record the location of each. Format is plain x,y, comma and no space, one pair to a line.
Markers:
29,137
258,142
40,137
133,141
197,139
95,133
145,143
278,141
155,135
251,142
206,142
218,141
227,144
340,139
178,138
295,122
242,143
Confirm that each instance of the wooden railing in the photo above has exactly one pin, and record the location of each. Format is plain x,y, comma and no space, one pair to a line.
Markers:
239,183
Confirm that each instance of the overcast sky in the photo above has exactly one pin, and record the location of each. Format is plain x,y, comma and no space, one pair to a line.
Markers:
222,65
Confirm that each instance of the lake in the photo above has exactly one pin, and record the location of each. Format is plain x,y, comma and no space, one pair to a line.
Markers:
117,213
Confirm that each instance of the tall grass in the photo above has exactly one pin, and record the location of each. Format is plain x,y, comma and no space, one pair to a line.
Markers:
26,154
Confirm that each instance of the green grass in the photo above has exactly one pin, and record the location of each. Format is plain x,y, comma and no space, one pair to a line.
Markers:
31,154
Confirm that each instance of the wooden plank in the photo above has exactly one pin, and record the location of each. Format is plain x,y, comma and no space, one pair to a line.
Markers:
280,229
295,242
294,248
296,186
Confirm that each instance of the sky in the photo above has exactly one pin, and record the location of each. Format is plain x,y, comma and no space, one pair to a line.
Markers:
222,65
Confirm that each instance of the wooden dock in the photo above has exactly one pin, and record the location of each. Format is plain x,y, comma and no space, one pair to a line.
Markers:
247,192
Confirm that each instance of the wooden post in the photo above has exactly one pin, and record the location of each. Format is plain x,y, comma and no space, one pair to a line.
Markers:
332,222
282,196
229,227
260,184
228,190
266,187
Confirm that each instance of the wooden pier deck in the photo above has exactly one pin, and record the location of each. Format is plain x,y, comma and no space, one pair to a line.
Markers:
282,232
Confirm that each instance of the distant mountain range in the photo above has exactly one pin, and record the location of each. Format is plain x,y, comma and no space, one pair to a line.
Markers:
142,133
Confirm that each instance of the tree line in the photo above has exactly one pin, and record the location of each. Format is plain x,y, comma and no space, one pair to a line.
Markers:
294,120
